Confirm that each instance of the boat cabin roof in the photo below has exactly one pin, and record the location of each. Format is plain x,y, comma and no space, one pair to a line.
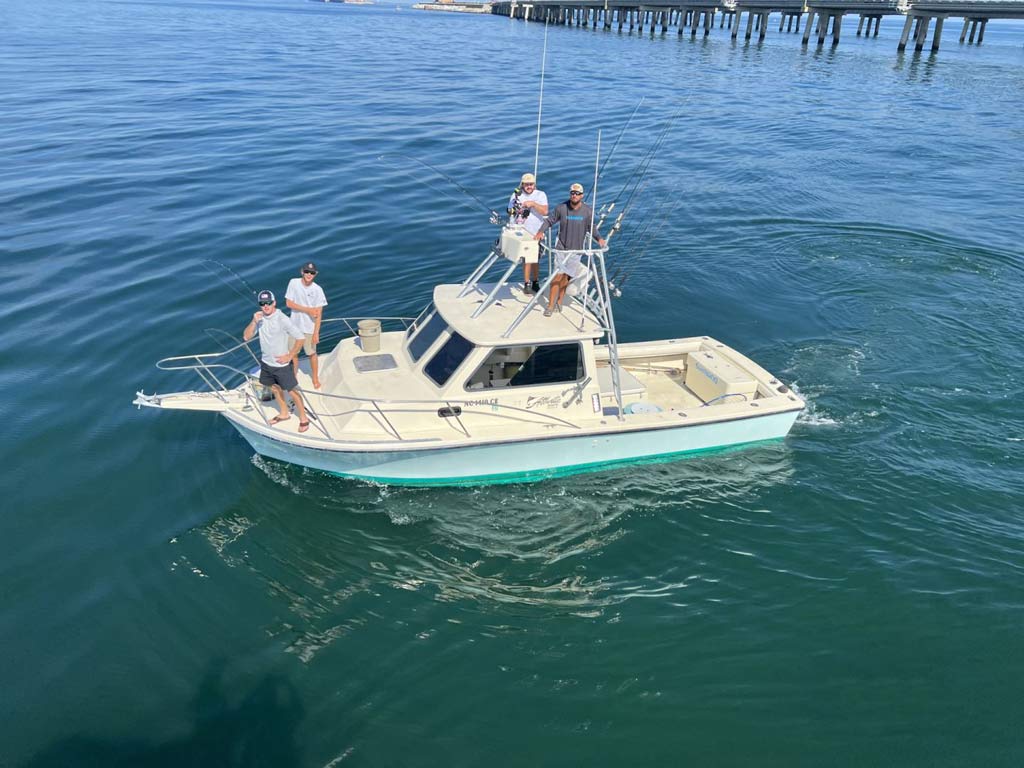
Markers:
488,328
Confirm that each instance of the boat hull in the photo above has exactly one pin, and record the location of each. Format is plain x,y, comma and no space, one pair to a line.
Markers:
525,460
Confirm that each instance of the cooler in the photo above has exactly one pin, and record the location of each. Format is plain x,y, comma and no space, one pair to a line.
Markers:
517,243
710,376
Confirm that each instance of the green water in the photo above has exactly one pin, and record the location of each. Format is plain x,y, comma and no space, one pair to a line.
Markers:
849,218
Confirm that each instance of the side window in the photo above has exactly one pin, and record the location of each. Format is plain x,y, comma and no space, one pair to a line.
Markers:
529,366
448,358
415,325
426,336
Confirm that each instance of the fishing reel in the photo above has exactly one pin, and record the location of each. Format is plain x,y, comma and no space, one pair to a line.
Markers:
520,212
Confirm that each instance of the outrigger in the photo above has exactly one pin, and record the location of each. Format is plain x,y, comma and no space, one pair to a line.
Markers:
482,388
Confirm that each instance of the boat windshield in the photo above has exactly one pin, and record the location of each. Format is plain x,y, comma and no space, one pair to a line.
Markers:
529,366
415,325
427,335
448,358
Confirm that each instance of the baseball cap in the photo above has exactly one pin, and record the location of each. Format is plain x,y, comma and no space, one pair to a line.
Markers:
528,178
308,265
576,188
265,296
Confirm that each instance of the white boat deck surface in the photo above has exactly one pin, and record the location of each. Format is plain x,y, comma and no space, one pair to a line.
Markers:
487,329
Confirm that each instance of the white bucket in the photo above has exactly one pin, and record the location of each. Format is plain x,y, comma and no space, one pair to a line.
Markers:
369,335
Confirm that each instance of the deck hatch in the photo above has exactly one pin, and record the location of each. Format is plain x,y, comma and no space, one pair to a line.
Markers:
369,363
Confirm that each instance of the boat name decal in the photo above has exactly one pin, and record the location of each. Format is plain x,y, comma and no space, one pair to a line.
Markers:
548,401
482,401
707,373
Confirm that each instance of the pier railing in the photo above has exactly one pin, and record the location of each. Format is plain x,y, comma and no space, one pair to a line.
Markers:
824,17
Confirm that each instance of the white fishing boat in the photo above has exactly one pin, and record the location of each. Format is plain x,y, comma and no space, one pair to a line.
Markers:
483,388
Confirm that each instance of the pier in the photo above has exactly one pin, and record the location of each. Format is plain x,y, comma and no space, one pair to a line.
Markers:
821,19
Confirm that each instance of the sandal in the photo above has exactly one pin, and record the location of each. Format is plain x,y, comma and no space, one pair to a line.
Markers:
279,419
303,426
547,312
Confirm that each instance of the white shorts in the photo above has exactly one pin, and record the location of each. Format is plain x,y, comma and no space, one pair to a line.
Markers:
569,263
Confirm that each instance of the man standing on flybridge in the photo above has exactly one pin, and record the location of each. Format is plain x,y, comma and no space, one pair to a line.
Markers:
573,218
528,206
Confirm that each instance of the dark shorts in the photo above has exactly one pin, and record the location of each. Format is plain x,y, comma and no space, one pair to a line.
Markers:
284,376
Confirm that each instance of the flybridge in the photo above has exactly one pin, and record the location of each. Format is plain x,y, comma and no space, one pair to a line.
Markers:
590,295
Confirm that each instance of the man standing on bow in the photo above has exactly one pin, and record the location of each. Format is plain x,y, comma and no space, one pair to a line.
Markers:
574,219
280,342
527,207
306,300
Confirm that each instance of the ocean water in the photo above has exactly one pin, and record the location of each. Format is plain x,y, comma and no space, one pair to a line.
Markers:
851,218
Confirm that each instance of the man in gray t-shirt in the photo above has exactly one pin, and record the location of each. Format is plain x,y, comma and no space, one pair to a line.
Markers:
280,342
574,219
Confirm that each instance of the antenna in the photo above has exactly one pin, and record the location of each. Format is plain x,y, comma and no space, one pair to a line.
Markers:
540,101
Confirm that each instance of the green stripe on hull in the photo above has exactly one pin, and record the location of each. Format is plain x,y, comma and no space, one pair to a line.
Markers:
548,474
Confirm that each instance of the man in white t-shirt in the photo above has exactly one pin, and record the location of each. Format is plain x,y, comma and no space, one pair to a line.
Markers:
306,300
528,206
280,340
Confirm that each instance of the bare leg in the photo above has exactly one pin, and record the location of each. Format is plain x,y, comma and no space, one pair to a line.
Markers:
314,367
529,272
563,284
554,292
300,407
282,406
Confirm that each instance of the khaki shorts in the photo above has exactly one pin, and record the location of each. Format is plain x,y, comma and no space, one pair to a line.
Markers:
308,346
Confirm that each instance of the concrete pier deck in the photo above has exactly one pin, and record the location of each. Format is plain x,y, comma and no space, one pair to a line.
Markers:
824,18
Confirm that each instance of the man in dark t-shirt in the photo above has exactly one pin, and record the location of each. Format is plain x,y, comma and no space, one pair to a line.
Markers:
574,219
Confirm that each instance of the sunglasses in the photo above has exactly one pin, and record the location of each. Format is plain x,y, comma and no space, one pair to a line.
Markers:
309,272
575,193
265,303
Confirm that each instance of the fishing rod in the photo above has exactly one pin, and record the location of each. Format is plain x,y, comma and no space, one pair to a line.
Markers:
597,163
640,172
611,154
252,291
540,101
662,215
495,217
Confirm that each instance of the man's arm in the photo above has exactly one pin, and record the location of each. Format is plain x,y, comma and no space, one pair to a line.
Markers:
311,311
549,222
595,233
538,207
292,330
250,329
316,325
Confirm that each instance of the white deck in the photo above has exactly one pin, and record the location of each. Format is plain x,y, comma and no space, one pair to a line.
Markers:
487,329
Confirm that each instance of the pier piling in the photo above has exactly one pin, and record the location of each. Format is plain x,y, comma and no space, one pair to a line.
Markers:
824,17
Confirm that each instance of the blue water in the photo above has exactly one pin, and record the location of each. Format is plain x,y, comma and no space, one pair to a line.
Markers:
850,218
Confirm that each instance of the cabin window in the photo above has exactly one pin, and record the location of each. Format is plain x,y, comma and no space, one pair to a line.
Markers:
448,358
427,335
415,325
529,366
